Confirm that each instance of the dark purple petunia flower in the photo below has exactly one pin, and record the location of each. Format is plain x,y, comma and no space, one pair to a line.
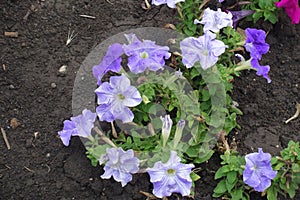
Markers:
110,62
258,171
261,70
255,43
238,15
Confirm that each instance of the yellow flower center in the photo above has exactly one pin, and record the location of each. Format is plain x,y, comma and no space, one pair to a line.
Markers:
171,171
144,55
121,96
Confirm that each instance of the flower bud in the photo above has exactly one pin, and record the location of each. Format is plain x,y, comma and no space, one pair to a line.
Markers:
178,132
166,128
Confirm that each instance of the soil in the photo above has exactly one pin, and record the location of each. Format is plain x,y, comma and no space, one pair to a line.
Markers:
35,98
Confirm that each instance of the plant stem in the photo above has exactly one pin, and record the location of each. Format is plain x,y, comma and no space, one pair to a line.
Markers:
104,138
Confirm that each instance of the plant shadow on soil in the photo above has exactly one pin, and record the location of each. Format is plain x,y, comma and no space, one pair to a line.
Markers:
32,90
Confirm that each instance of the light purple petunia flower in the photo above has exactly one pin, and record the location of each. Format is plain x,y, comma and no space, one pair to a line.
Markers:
255,43
110,62
84,123
215,20
171,177
68,131
115,97
204,49
221,1
146,54
170,3
261,70
258,171
80,125
120,165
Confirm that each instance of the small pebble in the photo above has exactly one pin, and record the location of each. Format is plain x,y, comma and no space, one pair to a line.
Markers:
53,85
11,87
63,69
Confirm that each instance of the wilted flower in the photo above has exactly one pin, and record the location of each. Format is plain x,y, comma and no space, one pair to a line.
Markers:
261,70
166,128
170,3
291,8
80,125
170,177
146,54
240,14
215,20
110,62
120,165
258,171
255,43
115,97
204,49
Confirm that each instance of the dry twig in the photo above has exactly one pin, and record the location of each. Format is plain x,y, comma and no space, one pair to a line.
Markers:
296,113
11,34
88,16
5,138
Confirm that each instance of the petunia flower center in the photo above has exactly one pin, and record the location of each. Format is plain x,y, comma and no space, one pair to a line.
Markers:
121,96
170,171
205,52
144,54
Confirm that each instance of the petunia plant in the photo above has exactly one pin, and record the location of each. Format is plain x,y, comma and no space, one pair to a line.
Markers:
161,110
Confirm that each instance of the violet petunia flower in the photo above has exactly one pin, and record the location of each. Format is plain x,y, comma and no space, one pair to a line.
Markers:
68,131
110,62
146,54
170,3
291,8
204,49
120,165
166,128
255,43
220,1
80,125
258,171
171,177
261,70
115,97
215,20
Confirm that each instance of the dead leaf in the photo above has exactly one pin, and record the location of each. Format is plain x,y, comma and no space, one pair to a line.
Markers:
14,123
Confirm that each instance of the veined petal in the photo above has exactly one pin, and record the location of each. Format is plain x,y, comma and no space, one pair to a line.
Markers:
104,113
110,62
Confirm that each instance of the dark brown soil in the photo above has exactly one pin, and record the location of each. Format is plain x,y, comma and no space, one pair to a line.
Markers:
32,91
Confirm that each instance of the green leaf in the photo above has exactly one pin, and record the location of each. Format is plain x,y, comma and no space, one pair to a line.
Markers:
222,171
256,16
231,177
272,193
194,176
231,180
221,187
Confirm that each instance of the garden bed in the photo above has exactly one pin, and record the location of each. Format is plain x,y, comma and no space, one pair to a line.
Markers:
35,97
